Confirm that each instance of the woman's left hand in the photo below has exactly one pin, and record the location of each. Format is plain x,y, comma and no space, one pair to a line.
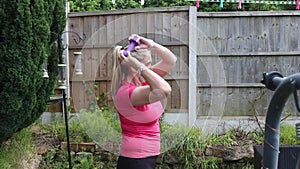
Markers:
145,42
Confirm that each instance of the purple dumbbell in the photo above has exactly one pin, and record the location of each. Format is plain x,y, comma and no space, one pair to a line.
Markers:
133,42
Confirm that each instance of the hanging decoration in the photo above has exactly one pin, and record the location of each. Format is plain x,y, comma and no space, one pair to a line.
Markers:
45,69
240,4
221,3
78,70
197,4
269,2
62,84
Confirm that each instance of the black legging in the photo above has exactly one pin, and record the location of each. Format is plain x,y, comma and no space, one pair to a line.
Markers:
136,163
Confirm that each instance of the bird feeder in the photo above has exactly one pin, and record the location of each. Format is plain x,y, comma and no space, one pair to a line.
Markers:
45,72
78,56
62,76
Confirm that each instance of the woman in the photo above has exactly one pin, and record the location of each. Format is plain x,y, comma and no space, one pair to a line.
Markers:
138,88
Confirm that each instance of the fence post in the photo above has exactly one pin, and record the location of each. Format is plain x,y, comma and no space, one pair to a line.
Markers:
192,103
67,57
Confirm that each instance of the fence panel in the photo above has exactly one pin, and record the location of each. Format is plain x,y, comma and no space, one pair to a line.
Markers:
233,50
104,30
244,45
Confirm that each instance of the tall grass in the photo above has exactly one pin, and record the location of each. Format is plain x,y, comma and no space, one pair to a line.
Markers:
17,149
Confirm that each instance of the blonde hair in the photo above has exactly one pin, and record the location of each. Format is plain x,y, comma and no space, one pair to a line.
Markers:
120,70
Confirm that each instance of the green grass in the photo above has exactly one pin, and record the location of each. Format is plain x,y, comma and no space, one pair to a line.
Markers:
19,147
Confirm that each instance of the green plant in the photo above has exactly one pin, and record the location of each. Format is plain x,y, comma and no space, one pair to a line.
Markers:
192,143
102,99
186,144
222,139
208,162
84,163
29,31
57,128
77,133
189,147
102,125
288,135
257,136
17,149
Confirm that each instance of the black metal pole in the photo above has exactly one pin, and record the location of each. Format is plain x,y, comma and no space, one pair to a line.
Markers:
60,53
67,128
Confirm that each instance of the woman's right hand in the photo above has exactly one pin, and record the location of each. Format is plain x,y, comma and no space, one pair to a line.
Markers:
129,60
145,43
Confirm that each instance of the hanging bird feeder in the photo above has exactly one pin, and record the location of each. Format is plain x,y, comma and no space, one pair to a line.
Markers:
78,70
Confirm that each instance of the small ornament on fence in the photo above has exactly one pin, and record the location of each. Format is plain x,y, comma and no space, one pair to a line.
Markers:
269,2
197,4
221,3
240,4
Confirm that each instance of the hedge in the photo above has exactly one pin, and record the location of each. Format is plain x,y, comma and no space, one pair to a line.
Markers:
29,30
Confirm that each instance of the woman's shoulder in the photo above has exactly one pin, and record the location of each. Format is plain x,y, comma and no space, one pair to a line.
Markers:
126,87
125,91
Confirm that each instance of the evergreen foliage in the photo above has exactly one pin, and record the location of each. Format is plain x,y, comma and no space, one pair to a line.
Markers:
28,36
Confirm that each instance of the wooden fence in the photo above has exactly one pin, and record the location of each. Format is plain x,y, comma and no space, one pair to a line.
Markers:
221,56
103,30
246,44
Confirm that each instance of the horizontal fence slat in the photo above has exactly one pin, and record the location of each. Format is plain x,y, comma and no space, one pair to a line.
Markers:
85,46
255,54
230,85
128,12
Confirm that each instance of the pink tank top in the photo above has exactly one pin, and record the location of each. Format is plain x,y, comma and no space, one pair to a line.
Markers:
140,125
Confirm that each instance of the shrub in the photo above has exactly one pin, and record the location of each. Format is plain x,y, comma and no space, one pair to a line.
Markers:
288,135
28,35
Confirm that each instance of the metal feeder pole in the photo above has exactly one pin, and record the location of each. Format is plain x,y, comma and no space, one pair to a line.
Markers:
67,127
61,48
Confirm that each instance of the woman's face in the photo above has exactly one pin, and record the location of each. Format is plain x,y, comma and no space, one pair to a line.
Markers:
147,61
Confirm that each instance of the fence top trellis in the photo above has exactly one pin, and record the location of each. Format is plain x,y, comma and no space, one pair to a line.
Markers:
248,14
129,11
256,1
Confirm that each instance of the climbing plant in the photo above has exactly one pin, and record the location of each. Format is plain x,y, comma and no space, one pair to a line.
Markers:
28,37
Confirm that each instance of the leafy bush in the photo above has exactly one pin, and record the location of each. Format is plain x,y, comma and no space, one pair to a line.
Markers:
28,34
288,135
102,125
